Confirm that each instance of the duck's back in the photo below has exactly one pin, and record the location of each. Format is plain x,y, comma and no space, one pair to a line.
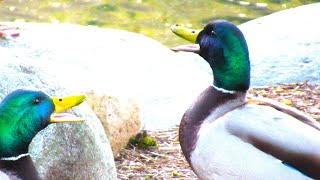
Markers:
255,142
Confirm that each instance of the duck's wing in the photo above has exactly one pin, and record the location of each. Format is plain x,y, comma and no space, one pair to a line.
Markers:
281,131
286,109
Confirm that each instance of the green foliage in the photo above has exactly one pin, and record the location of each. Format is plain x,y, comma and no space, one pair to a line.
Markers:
143,141
106,7
95,23
150,17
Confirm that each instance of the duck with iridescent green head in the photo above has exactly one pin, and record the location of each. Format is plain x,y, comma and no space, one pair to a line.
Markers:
224,135
24,113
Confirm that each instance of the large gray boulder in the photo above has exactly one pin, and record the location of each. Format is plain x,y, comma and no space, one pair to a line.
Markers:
61,151
285,46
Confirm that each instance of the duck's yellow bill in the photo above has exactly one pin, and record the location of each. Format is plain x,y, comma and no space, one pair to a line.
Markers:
63,104
185,33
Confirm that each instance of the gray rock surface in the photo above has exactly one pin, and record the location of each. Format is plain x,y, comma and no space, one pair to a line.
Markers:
61,151
285,46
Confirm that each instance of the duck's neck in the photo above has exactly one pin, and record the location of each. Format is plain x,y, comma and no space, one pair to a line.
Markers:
22,168
211,104
231,72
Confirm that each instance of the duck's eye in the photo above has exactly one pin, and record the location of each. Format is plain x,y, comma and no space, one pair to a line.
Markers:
36,101
212,33
60,99
193,32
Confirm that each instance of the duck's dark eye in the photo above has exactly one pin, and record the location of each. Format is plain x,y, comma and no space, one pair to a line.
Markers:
36,101
193,32
60,100
212,33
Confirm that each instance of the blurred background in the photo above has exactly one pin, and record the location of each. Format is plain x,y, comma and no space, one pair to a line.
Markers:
150,17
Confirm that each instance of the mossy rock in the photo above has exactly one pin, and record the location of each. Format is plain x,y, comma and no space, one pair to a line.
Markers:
143,141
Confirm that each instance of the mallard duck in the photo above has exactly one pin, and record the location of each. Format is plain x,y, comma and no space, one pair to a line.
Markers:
23,113
223,135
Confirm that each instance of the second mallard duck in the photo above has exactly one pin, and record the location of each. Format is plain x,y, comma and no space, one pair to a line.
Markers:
23,113
225,136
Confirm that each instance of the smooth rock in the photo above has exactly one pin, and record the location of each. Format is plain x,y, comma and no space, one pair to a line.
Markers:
285,46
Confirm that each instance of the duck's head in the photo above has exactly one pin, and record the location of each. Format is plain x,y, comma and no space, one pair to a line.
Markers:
23,113
224,47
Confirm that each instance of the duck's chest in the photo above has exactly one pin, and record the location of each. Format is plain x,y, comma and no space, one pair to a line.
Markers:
216,152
